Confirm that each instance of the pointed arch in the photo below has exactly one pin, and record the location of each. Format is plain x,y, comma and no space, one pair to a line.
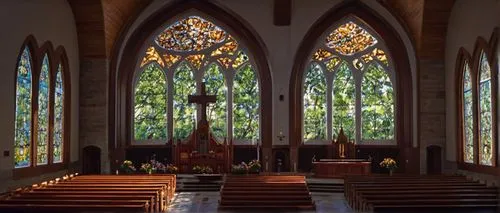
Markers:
184,113
402,81
120,81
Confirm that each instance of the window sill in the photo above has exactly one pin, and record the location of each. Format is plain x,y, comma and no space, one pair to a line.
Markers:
480,168
27,172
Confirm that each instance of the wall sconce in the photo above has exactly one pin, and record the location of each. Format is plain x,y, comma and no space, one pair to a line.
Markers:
281,136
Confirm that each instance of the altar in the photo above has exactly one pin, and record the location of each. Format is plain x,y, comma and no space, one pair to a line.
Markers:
344,160
338,168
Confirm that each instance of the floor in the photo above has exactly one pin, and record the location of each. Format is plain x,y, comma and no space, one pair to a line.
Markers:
207,202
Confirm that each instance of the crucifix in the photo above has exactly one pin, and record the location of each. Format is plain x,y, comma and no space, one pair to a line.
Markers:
203,99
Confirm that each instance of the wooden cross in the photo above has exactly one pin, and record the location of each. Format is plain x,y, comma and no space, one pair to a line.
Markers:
203,99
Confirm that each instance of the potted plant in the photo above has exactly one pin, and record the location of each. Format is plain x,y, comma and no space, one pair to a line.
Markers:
389,164
254,167
147,168
158,167
127,167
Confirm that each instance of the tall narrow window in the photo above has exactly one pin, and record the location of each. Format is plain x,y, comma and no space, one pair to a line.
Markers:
58,145
377,104
22,146
344,101
43,114
351,61
184,112
150,110
197,50
315,104
485,113
246,104
468,121
216,113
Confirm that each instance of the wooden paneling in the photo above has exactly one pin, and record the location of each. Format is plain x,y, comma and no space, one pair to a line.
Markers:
434,26
90,28
116,15
410,13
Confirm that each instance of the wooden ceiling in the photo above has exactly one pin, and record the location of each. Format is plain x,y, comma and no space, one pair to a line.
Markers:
100,22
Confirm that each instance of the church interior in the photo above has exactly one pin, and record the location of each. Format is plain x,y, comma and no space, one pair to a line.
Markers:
250,106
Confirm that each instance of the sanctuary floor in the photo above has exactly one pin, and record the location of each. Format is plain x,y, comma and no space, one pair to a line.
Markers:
207,202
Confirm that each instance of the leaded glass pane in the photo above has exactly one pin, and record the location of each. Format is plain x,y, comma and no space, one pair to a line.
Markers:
377,111
22,143
150,104
171,59
246,104
152,56
344,102
216,113
314,104
184,112
485,113
191,34
321,55
196,60
228,49
468,117
350,38
240,59
57,145
43,114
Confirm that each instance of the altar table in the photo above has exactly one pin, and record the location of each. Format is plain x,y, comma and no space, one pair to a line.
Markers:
338,168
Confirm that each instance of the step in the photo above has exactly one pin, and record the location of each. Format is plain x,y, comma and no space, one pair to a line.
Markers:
265,197
237,193
267,202
265,207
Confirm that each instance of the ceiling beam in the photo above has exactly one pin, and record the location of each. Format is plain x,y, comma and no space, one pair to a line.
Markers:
282,12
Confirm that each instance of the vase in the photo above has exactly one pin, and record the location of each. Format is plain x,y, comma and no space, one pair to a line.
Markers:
390,172
149,172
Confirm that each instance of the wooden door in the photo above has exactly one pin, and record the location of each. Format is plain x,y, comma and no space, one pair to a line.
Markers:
91,160
434,159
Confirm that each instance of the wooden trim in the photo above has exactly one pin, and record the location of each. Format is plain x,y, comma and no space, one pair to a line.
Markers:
37,54
120,77
479,168
399,57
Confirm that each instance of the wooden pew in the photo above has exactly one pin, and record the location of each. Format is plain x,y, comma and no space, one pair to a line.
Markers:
265,192
419,193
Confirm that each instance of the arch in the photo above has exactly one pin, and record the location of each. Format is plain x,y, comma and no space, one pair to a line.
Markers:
122,73
403,82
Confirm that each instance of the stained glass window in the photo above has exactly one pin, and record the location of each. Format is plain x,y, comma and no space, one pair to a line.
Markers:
184,112
350,38
150,104
191,34
344,101
352,65
198,50
246,104
468,116
485,113
22,145
57,145
315,104
43,114
377,113
216,113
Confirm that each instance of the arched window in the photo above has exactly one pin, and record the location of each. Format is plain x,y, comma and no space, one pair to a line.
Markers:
192,50
22,141
349,85
58,143
42,154
40,126
467,116
485,113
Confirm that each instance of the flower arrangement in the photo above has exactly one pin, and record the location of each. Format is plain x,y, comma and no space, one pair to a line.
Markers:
211,152
171,169
389,164
202,170
146,167
241,168
157,166
127,167
254,166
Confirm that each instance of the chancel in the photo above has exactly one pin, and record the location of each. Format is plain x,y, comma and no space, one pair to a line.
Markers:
250,106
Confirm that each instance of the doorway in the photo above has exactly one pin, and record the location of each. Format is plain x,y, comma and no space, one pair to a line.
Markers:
91,160
281,160
434,156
